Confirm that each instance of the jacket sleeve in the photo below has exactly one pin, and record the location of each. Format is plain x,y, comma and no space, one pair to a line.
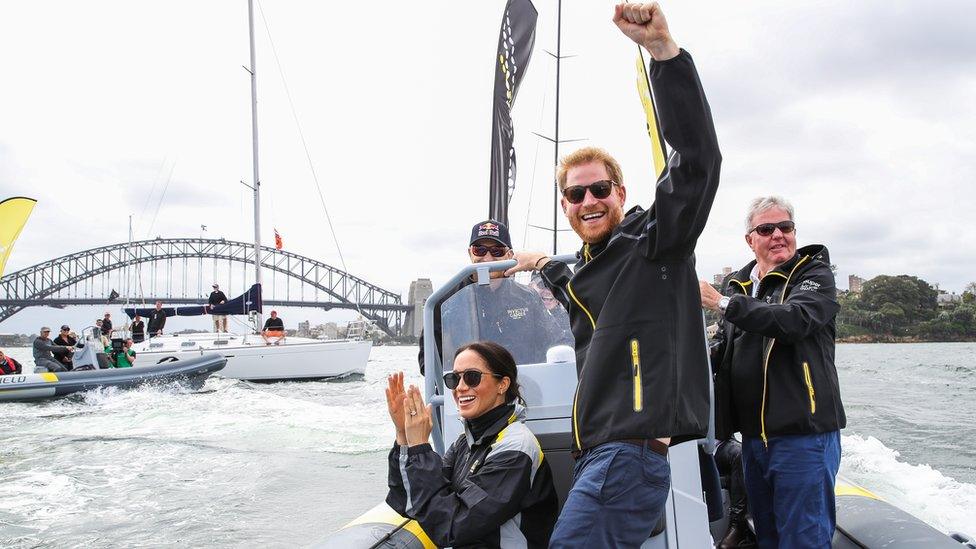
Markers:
810,305
396,498
454,515
684,193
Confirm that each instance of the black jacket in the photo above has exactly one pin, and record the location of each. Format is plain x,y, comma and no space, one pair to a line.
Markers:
217,297
157,321
138,328
776,373
634,302
62,355
106,327
493,490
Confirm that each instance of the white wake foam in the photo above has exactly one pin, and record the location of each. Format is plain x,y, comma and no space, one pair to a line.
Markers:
941,501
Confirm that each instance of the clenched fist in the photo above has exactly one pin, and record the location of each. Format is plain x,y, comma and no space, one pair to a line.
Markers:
646,25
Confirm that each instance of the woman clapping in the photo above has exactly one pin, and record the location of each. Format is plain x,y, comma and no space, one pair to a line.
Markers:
492,487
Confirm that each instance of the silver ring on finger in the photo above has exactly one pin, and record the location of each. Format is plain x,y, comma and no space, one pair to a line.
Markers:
413,412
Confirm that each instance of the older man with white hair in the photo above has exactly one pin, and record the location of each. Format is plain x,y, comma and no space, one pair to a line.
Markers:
776,382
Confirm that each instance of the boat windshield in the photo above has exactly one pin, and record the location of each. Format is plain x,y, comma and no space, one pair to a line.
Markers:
526,320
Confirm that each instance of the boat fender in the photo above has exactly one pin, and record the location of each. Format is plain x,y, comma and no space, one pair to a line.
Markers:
963,539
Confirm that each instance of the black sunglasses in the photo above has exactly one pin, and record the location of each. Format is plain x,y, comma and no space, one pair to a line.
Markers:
767,229
599,189
495,251
472,378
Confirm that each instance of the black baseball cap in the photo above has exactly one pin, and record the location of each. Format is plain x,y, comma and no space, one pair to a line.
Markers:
491,229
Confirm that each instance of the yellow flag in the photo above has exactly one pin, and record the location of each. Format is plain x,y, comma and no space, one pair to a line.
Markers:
653,130
13,216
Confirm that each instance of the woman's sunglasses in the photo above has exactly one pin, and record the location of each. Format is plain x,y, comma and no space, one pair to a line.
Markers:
767,229
472,378
495,251
599,190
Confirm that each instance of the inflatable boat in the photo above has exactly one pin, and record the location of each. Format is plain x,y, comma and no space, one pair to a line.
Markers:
92,370
863,519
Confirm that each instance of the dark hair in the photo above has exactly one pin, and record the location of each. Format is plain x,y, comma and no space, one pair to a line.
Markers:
500,362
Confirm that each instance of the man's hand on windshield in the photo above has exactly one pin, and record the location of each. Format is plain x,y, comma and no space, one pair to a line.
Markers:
528,261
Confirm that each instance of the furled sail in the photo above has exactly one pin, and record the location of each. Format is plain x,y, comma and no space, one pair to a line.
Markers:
13,216
515,42
240,305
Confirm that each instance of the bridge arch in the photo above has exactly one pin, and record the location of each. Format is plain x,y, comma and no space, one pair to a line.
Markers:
45,279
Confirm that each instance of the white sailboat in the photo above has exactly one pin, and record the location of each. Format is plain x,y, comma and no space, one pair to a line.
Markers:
248,356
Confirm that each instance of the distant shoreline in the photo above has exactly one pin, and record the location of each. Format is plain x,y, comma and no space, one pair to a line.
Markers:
881,338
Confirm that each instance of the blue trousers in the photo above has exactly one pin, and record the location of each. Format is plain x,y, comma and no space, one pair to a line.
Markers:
790,484
618,495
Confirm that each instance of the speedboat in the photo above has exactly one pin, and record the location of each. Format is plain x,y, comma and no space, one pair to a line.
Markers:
863,519
89,373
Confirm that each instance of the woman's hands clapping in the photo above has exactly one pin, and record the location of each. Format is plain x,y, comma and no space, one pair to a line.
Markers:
411,418
394,403
418,421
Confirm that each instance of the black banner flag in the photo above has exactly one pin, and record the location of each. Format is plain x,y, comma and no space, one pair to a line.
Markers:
515,42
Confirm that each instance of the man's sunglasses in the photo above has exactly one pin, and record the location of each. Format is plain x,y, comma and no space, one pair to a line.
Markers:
495,251
767,229
472,378
599,190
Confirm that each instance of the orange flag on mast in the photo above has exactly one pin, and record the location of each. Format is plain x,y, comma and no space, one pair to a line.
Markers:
278,244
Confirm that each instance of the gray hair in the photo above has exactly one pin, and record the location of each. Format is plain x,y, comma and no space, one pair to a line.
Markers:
764,203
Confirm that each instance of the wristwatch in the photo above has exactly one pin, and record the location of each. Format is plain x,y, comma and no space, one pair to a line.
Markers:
723,304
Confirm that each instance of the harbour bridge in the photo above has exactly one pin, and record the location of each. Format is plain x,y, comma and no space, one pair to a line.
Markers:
167,269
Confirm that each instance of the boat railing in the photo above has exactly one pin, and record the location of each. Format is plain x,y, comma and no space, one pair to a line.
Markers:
434,365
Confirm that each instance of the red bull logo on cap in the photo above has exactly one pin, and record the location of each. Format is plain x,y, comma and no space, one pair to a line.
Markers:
488,229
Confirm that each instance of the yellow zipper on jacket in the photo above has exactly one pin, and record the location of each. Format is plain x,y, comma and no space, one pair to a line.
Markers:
579,383
635,362
809,379
762,407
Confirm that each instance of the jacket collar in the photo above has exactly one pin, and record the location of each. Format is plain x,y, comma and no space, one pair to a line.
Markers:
741,279
589,251
497,419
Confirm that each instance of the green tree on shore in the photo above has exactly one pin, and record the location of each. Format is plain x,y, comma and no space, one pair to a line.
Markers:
906,306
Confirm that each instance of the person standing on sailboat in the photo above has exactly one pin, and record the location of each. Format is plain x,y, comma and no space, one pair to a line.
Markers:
157,320
634,307
217,297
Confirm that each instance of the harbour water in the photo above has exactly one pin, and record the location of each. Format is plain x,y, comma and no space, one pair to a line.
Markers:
282,465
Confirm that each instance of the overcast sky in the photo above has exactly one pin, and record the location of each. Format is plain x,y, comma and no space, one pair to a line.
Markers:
862,114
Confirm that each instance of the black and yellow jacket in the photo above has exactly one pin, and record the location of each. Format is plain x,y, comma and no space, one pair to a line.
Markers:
775,352
633,301
492,488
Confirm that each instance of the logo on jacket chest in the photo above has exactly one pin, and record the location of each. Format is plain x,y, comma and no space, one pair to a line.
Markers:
518,313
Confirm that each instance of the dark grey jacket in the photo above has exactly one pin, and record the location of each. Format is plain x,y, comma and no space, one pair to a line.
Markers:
43,348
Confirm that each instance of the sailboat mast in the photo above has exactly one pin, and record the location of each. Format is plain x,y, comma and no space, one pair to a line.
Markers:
254,153
555,164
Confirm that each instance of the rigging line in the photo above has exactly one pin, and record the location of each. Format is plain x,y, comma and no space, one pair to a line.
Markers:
535,164
161,198
159,172
308,155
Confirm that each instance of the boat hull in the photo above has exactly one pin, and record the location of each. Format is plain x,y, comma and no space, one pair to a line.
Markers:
42,386
302,361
